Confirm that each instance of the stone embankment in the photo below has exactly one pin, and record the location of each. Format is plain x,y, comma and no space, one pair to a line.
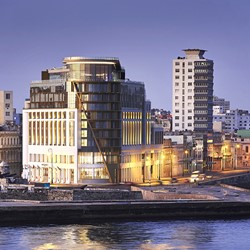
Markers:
46,194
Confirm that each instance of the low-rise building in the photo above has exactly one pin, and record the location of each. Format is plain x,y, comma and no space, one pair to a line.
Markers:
11,150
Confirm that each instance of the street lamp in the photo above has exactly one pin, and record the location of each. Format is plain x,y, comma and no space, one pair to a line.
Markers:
50,150
186,157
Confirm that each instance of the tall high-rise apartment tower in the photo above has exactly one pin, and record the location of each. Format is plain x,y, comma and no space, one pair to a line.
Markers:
192,97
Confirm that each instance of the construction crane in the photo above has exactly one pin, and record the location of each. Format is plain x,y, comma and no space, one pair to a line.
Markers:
87,115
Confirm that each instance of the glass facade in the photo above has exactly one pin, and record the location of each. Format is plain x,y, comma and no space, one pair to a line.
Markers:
99,87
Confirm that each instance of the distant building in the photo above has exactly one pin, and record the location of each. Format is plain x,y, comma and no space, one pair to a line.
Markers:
192,96
237,120
11,150
6,107
162,117
222,104
219,119
17,118
10,135
227,120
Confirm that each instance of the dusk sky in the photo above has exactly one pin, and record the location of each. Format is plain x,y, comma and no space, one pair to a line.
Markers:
146,35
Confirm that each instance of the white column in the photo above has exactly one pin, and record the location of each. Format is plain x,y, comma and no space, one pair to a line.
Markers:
63,175
41,174
67,176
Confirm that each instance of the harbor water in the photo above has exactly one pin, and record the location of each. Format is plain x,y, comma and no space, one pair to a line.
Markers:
156,235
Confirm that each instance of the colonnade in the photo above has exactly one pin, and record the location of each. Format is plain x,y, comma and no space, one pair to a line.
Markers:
48,174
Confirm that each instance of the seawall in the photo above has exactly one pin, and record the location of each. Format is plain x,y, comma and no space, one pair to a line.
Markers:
69,212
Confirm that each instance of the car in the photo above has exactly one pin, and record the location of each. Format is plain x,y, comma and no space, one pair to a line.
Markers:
202,177
169,180
194,178
174,180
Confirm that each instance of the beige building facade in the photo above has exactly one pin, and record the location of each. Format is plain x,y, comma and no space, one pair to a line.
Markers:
11,151
6,107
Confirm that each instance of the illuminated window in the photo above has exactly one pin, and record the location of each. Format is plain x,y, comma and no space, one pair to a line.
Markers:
84,142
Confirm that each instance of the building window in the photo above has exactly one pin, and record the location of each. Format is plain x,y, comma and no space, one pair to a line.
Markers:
177,111
176,84
189,77
177,118
176,104
177,77
189,97
176,124
7,113
190,111
177,63
7,96
176,97
189,117
190,70
189,63
189,84
177,70
7,105
189,124
189,90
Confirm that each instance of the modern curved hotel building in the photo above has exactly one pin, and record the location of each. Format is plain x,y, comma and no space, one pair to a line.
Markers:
86,123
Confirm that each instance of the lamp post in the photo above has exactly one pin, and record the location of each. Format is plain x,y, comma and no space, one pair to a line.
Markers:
186,154
50,150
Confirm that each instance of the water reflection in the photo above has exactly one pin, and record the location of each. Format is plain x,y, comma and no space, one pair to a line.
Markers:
130,235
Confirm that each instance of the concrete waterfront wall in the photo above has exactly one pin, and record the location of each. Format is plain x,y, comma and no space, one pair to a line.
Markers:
47,212
45,194
149,195
232,180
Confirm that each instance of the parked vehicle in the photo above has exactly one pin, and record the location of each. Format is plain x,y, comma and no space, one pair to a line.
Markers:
174,180
196,177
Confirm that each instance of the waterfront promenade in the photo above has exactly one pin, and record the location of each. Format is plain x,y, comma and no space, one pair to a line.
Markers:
175,201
